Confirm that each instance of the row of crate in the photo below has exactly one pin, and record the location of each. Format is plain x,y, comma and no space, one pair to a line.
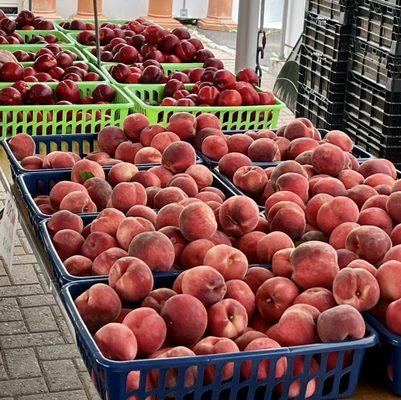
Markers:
110,377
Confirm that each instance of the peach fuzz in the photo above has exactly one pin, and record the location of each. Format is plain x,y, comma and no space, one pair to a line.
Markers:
238,215
293,182
335,212
162,140
210,197
313,206
134,124
96,243
216,345
340,323
283,196
377,217
299,127
239,143
148,327
287,167
281,264
188,330
33,162
270,244
248,245
174,235
151,192
126,151
183,124
274,296
376,166
131,227
339,234
205,133
240,291
156,298
68,243
358,263
104,261
148,155
78,266
148,133
86,169
61,189
227,318
128,194
214,147
379,179
369,243
186,183
214,190
163,174
264,150
201,174
22,145
109,139
207,120
78,202
328,159
315,265
256,276
318,297
122,172
178,157
361,193
389,278
356,287
194,253
230,262
231,162
110,220
332,186
99,191
205,283
64,220
98,306
300,146
155,249
143,212
168,195
379,201
169,215
350,178
56,159
263,369
250,179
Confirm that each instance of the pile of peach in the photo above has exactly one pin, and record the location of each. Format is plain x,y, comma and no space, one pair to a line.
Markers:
136,42
137,143
227,309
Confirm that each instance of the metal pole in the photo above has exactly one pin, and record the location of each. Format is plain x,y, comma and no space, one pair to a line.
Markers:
97,32
284,29
247,34
30,5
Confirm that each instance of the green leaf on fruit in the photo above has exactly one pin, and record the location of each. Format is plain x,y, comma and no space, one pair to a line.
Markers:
86,175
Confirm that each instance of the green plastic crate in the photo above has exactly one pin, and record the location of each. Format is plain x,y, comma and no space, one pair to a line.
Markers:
38,120
146,98
27,35
60,28
34,48
167,67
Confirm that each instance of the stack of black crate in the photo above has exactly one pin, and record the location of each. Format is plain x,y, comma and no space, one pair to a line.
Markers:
324,60
373,99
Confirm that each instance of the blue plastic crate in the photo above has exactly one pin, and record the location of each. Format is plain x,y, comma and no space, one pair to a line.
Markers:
357,151
110,377
62,275
389,354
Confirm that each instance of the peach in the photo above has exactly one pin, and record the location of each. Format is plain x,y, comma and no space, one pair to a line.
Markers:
388,277
220,238
313,206
227,318
128,194
109,339
98,306
293,182
96,243
110,219
331,186
205,283
78,202
340,323
61,189
148,327
340,139
163,174
393,206
204,133
356,287
305,159
313,235
377,166
328,159
350,178
247,244
176,238
57,159
283,196
32,162
281,265
131,227
318,297
186,183
263,367
178,157
264,150
22,145
78,266
211,197
379,201
358,263
197,221
393,316
68,243
300,318
214,190
156,298
360,193
64,220
146,179
126,151
337,211
183,124
207,120
300,127
143,212
169,215
216,345
201,175
369,243
247,337
231,162
315,265
238,215
270,244
230,262
148,133
396,235
155,249
194,253
98,156
240,291
393,254
274,296
250,179
188,330
339,234
105,260
377,217
345,257
133,126
109,138
256,276
99,191
379,179
148,155
283,145
122,172
86,169
301,145
239,143
167,196
162,140
214,147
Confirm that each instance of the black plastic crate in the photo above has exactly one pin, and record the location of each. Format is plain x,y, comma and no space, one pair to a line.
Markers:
366,137
323,113
376,65
341,11
375,107
322,74
327,37
379,22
